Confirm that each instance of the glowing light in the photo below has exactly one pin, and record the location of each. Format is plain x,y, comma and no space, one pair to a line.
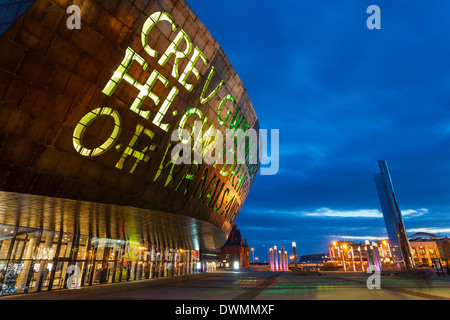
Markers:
236,265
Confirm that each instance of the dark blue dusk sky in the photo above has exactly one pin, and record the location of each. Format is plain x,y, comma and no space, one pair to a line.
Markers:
343,97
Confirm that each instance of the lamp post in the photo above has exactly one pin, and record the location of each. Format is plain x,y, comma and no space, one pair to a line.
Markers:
343,257
294,248
270,259
253,253
360,258
353,259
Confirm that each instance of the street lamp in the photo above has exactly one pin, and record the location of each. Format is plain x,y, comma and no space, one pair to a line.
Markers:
253,252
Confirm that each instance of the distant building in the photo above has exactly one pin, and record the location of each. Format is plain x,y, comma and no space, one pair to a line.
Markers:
359,256
235,250
430,250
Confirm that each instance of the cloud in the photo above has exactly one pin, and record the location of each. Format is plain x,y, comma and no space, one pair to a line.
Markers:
338,213
433,230
370,238
410,213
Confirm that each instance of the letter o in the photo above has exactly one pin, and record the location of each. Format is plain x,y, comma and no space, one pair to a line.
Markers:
83,124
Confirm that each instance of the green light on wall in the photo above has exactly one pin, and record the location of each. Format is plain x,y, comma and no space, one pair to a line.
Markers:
219,111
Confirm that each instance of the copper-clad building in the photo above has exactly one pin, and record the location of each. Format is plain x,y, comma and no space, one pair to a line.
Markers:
89,188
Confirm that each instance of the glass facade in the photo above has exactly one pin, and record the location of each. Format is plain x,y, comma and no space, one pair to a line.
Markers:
33,260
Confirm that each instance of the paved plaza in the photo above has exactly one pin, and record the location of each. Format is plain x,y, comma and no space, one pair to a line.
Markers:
258,285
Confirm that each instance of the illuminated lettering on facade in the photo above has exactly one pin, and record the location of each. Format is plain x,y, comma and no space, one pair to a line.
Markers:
210,189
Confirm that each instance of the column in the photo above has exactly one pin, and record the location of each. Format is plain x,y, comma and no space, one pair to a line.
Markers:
49,235
276,257
343,258
294,249
360,258
286,261
271,259
27,259
166,257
